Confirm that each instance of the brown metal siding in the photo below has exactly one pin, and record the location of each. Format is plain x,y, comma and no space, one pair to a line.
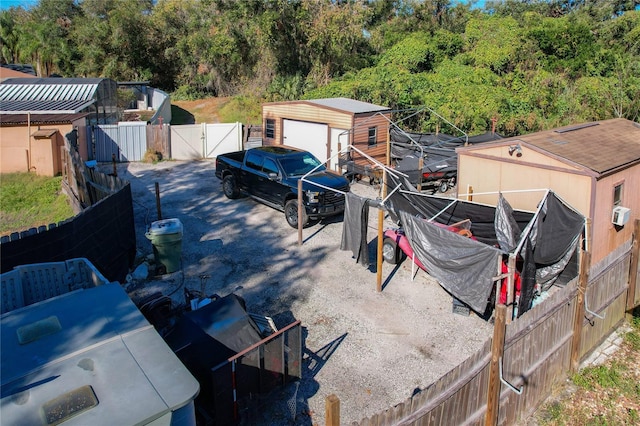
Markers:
360,137
358,124
301,112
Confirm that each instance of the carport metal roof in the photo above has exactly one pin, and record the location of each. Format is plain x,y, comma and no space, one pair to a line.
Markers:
47,95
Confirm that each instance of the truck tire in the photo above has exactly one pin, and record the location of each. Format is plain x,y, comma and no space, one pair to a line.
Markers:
391,253
291,214
229,187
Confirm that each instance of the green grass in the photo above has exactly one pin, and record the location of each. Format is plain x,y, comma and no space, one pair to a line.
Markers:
28,201
607,394
241,109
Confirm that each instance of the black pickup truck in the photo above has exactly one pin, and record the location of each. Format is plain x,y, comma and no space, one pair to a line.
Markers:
270,174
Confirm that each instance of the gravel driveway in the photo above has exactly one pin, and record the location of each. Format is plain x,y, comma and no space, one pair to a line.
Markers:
371,349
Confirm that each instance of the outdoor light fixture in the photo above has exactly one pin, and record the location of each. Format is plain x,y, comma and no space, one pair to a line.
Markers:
517,149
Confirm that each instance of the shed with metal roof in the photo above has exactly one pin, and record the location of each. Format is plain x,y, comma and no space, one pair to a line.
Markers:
56,105
96,96
326,126
594,167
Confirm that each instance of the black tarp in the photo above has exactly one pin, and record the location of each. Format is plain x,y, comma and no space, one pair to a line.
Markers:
223,327
437,150
466,267
426,139
207,337
354,230
448,210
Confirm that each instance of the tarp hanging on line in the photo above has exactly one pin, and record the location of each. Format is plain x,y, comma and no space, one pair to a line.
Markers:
463,266
459,263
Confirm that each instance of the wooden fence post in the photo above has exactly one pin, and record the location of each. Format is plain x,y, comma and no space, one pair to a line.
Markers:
633,271
332,410
497,350
158,206
585,264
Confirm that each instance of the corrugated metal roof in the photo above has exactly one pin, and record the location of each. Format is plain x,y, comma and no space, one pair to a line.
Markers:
350,105
601,146
47,95
59,89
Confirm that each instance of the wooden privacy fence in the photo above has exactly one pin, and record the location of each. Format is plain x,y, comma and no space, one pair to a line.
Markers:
84,185
540,349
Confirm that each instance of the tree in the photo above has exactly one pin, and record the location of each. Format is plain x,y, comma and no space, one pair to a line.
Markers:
335,39
494,43
10,35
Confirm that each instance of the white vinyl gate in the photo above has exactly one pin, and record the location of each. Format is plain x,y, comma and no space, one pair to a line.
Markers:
194,141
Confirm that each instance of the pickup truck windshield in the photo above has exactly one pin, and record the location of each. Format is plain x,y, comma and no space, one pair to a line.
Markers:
300,165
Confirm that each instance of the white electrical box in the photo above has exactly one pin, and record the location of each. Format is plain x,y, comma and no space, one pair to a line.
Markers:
620,215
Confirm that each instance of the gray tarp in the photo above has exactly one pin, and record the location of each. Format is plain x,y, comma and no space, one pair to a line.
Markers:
507,230
354,229
464,267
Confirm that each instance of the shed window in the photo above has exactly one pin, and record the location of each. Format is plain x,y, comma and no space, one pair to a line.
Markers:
373,133
270,130
617,194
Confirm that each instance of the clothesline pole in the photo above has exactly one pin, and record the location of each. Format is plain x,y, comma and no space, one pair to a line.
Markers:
511,282
379,258
300,207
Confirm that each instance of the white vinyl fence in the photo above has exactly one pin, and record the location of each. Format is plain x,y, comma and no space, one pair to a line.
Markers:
195,141
128,141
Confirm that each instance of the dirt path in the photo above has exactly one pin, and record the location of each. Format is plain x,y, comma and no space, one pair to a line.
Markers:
202,110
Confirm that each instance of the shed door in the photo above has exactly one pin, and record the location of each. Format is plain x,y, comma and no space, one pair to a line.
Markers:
339,141
311,137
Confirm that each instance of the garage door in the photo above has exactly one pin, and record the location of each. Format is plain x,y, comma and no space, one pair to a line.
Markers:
311,137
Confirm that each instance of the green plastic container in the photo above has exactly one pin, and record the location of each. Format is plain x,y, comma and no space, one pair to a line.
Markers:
166,239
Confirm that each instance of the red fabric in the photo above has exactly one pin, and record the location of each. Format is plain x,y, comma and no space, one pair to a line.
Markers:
503,288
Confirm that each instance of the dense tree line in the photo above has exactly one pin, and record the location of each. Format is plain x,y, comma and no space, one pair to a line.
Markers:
528,64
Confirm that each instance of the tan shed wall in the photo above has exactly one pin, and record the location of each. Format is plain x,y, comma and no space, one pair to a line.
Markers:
606,237
14,149
487,175
528,156
45,153
593,199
